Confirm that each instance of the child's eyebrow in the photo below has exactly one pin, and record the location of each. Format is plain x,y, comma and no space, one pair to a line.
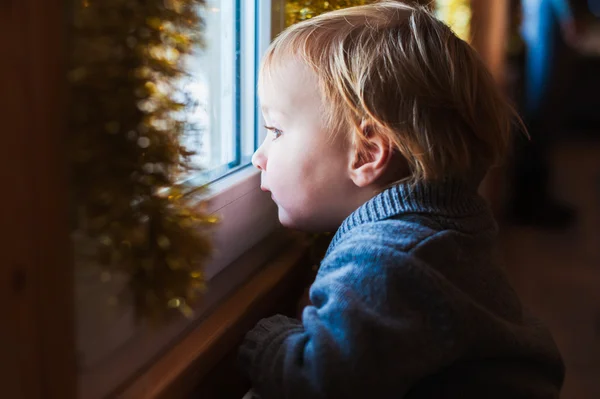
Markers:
267,110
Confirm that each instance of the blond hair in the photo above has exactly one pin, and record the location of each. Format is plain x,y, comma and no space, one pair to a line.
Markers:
398,70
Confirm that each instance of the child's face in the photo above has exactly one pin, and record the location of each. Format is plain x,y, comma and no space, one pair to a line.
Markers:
304,166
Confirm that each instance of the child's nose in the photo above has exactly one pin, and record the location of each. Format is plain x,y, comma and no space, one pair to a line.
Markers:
259,159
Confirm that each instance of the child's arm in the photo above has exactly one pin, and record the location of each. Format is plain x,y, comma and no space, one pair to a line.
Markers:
372,331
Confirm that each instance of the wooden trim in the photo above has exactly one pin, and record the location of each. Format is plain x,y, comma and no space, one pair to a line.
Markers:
178,372
489,30
37,345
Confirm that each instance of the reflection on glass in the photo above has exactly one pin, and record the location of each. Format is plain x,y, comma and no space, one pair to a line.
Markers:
213,72
212,85
222,83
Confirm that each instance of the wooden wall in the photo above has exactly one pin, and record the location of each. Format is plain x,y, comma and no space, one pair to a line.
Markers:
37,351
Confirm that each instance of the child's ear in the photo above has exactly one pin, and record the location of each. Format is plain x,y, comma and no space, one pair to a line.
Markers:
370,157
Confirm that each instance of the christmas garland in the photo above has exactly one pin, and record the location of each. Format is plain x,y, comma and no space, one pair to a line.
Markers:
300,10
126,107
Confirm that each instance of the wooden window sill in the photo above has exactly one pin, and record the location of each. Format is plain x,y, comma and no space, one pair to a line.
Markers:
204,359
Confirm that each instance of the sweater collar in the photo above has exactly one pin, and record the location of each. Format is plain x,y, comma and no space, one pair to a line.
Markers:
449,199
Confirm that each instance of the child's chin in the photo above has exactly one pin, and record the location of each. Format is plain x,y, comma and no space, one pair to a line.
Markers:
289,222
301,225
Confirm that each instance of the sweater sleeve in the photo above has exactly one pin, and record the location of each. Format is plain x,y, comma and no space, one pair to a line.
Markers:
376,326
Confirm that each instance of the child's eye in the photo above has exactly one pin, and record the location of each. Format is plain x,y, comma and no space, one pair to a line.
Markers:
276,132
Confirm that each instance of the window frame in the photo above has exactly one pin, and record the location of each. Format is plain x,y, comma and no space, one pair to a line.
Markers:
236,198
236,132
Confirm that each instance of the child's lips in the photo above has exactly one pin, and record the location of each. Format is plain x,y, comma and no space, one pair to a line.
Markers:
266,190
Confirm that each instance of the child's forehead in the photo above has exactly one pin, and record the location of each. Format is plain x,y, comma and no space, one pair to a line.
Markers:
280,79
277,70
290,98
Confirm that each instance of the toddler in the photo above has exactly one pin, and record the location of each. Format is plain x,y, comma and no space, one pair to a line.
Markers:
382,125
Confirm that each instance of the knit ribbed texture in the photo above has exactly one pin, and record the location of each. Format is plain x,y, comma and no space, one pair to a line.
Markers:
454,200
409,302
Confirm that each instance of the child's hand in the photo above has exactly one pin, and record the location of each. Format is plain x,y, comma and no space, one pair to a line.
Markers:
302,303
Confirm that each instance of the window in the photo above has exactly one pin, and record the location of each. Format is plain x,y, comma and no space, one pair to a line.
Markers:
111,346
237,34
222,81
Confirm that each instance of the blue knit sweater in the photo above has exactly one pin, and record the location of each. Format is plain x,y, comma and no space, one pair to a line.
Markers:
409,302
